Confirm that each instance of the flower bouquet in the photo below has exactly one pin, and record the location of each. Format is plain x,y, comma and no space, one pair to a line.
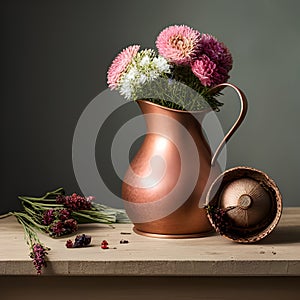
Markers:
175,88
180,76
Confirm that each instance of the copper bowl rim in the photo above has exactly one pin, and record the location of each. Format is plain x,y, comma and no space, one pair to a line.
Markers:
277,199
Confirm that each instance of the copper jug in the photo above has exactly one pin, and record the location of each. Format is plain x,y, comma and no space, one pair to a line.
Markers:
172,171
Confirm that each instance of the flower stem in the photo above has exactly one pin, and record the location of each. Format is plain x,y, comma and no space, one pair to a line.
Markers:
29,219
51,194
6,215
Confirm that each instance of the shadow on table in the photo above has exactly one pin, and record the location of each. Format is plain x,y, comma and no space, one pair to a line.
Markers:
283,235
95,228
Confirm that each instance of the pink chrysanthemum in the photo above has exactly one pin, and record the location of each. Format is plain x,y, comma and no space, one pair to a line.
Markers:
120,64
216,51
208,72
178,44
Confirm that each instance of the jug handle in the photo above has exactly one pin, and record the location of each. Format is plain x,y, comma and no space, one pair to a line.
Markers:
238,122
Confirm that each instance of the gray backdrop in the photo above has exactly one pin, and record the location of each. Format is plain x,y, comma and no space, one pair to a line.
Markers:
55,55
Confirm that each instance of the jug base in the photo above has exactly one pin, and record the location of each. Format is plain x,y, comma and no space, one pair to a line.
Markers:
174,236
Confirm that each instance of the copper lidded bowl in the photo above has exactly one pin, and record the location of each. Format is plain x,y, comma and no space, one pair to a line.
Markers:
244,204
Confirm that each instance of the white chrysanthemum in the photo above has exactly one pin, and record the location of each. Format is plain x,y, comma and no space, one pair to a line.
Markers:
142,79
153,74
162,64
125,86
144,67
150,66
132,73
145,61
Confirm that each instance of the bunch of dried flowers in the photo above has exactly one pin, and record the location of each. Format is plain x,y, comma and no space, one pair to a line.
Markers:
57,214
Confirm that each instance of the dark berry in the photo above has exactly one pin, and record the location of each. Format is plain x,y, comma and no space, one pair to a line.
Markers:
69,244
104,244
124,241
82,241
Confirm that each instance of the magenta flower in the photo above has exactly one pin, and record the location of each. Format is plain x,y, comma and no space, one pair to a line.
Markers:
70,226
48,216
120,64
178,44
38,255
64,214
57,229
208,72
216,51
74,202
60,228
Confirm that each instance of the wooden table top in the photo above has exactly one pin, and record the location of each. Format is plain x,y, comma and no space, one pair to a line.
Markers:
276,255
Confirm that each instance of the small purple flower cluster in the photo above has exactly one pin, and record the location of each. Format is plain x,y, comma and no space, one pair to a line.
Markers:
38,255
48,216
64,214
74,202
59,222
51,215
59,228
